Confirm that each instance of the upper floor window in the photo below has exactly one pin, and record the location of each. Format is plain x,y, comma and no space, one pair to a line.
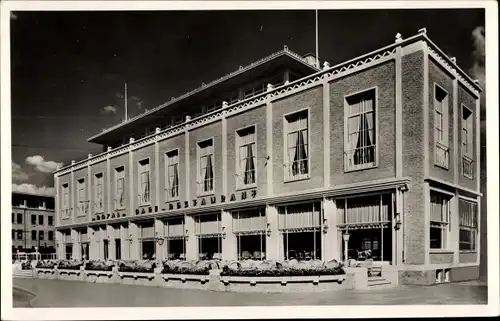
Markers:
467,225
360,132
441,124
205,165
245,151
51,236
33,235
33,219
120,187
20,234
467,142
40,219
145,183
172,175
13,218
81,197
19,218
439,224
65,201
297,145
51,220
98,191
13,234
40,235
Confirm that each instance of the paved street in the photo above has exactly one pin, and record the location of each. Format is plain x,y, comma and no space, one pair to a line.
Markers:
55,293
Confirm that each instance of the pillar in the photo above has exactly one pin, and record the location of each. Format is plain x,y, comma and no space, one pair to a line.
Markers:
111,239
455,228
135,253
330,247
274,243
59,245
92,243
229,241
125,243
76,245
160,245
191,241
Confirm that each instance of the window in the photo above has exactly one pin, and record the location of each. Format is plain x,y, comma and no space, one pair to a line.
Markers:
439,220
467,143
106,249
33,235
360,131
82,202
20,234
148,247
118,249
51,220
19,218
175,238
13,234
51,236
245,157
69,251
208,230
441,125
300,226
40,220
13,218
120,187
468,225
206,170
98,191
145,183
172,175
33,219
40,235
297,146
65,204
250,229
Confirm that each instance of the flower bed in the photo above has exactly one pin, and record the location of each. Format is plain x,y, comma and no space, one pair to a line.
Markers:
26,265
97,265
46,264
69,265
137,266
292,268
188,267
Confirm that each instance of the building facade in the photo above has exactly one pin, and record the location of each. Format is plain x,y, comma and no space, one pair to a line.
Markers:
33,223
383,148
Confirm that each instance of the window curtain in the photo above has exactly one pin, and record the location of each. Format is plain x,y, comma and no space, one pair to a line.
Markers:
365,138
354,130
300,158
120,195
297,145
209,175
175,182
146,188
249,177
299,216
439,206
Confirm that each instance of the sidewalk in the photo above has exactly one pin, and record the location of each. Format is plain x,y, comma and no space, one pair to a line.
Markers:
55,293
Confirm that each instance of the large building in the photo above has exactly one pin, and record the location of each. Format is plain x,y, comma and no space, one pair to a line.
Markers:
281,160
33,224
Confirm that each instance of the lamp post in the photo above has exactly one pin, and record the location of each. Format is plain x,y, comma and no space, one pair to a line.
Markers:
346,237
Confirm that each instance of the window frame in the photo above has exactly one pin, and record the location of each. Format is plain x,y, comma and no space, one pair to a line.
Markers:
445,226
117,174
467,156
19,221
97,179
41,235
41,220
140,171
286,171
65,200
239,182
49,238
21,233
81,182
168,197
33,233
471,229
443,143
347,116
199,180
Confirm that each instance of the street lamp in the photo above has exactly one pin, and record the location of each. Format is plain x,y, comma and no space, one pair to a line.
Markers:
346,237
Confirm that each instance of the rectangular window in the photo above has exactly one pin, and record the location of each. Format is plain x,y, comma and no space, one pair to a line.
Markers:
174,231
145,183
468,225
245,156
120,187
441,125
172,175
467,143
19,218
13,234
69,251
51,235
250,229
118,249
19,234
206,167
360,134
33,235
439,224
40,235
51,220
40,219
33,219
208,230
65,201
297,145
98,191
13,218
81,197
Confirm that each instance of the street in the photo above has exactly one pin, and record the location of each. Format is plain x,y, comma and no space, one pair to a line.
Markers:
56,293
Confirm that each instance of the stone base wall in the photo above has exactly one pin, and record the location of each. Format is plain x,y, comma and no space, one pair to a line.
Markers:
434,276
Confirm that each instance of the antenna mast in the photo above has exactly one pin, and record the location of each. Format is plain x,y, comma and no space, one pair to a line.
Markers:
126,112
317,45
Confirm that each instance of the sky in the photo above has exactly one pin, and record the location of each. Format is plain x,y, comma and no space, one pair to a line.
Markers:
68,68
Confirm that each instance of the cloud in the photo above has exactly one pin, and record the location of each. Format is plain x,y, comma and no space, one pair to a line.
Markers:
17,173
139,104
41,164
108,110
134,98
33,189
13,16
119,95
477,70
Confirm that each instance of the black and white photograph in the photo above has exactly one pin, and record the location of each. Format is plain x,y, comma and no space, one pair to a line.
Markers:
291,156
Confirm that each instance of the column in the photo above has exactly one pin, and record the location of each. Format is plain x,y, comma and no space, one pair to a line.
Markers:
92,243
135,253
330,248
109,199
125,243
455,228
269,147
224,151
132,195
326,134
76,245
399,111
111,241
191,241
160,244
157,170
229,241
59,245
57,206
274,243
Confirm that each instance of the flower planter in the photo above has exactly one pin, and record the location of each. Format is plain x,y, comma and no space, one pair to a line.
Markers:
185,281
138,278
69,274
96,276
45,273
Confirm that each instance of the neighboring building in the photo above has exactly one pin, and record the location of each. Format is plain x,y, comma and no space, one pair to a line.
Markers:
383,147
33,223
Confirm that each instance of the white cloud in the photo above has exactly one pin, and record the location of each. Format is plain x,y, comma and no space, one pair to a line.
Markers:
108,110
41,164
17,173
32,189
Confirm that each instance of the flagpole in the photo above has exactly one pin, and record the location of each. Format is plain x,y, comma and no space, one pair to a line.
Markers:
126,112
317,45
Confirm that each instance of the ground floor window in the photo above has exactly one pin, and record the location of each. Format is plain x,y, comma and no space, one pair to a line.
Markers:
439,226
69,251
304,245
176,249
208,230
251,246
106,249
118,249
175,236
364,244
148,250
468,225
84,250
210,247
